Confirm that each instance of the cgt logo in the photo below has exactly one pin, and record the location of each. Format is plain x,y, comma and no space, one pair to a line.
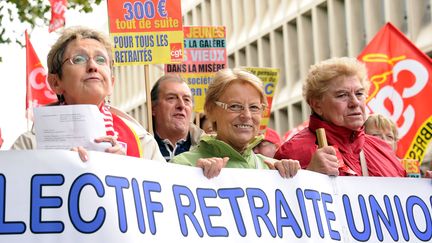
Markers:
176,52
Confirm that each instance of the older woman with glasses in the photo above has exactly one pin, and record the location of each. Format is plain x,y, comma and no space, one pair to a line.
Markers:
80,67
234,104
336,91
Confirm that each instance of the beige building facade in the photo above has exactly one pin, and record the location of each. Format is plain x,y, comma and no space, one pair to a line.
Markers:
290,35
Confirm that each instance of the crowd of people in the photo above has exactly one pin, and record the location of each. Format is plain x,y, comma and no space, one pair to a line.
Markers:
80,66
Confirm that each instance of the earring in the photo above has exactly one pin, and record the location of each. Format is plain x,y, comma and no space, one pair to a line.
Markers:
61,99
108,102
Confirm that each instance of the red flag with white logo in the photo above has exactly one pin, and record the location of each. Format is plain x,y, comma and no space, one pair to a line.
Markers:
401,88
58,9
38,91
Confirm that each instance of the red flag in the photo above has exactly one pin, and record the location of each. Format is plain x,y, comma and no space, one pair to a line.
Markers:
401,87
38,91
58,8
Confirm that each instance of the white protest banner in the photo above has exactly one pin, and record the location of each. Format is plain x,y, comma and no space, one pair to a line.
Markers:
51,196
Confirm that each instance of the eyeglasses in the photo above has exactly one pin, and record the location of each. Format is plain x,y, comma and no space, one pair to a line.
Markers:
82,59
237,107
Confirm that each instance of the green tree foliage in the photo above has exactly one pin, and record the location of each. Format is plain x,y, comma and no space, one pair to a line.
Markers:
33,13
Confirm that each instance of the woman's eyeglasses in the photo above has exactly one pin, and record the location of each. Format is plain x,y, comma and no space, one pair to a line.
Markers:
237,107
82,59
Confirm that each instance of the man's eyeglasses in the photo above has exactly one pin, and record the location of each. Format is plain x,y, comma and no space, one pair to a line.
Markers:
82,59
237,107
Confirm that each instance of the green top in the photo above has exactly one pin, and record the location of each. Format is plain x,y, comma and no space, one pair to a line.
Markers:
209,147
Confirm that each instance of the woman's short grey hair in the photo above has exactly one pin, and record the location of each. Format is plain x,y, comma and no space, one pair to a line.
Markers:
56,54
322,74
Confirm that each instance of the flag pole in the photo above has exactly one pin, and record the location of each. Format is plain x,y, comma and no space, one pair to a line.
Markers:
198,119
28,125
148,97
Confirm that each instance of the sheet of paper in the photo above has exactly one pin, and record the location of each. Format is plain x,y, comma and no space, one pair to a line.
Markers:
68,126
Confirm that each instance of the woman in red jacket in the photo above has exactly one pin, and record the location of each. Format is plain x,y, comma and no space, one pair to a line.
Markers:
336,91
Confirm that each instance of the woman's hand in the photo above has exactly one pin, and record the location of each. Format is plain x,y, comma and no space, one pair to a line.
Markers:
287,167
82,152
212,166
115,149
324,161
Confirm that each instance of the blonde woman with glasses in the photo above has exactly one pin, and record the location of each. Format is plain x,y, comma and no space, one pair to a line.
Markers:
234,104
